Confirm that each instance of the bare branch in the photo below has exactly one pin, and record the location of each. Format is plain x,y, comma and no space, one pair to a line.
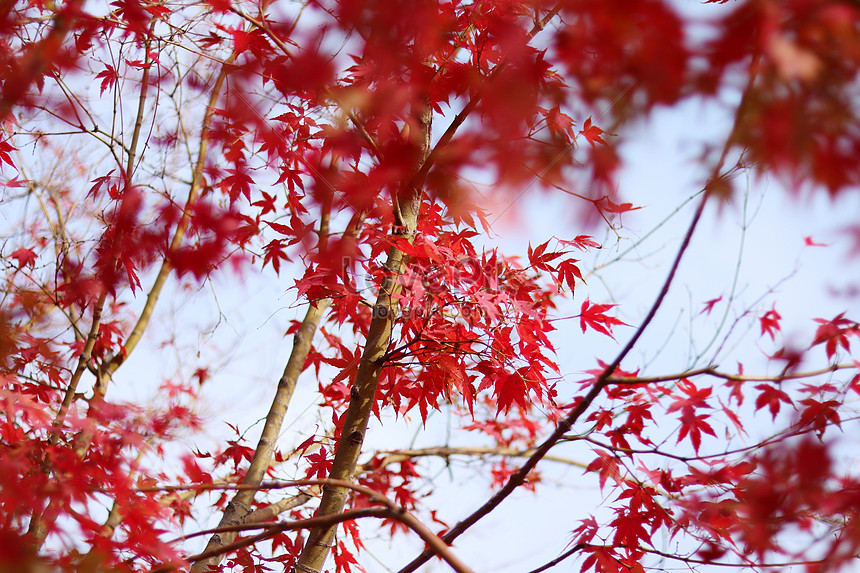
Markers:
134,337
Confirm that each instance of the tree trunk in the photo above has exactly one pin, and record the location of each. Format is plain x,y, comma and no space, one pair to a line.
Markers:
407,205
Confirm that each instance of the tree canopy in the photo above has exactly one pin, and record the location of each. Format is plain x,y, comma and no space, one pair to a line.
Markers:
358,158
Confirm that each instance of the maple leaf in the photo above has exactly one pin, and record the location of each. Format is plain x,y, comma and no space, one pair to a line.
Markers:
810,243
14,183
695,397
25,257
593,316
770,322
100,182
194,472
592,133
569,272
771,397
560,124
582,242
138,64
820,414
157,10
733,417
694,425
202,375
6,149
834,333
267,203
608,467
282,229
606,204
709,305
108,77
237,183
344,560
274,254
319,464
236,453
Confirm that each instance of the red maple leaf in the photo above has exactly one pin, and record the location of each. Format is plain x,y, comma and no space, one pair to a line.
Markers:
108,77
594,316
770,322
266,204
810,243
709,305
835,332
820,414
695,397
592,133
274,254
694,425
606,204
582,242
25,257
771,396
559,123
608,467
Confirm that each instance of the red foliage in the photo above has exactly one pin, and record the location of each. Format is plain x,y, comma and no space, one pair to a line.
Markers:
151,149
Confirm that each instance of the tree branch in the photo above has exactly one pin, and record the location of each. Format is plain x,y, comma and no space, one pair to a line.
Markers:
575,549
134,337
712,371
396,456
239,508
390,511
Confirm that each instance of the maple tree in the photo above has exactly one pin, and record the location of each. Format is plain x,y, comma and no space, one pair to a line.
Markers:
152,148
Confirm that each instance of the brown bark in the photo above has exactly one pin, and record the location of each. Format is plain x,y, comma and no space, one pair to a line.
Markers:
239,508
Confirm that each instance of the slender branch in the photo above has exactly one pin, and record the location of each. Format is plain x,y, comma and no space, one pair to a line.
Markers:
712,371
575,549
390,511
134,337
396,456
141,106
